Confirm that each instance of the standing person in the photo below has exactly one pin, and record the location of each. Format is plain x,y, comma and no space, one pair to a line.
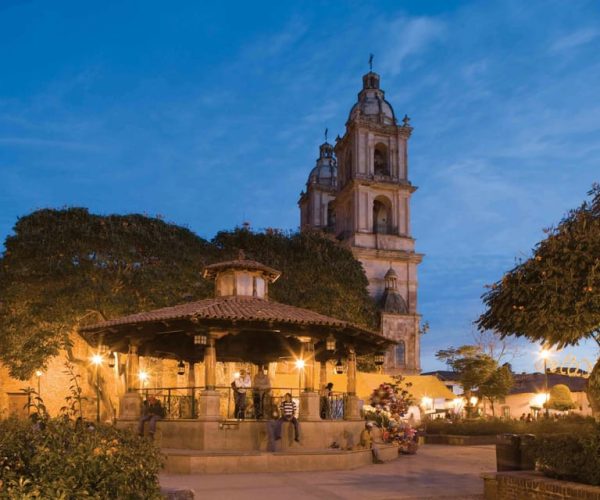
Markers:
326,394
287,409
260,392
152,412
239,385
366,441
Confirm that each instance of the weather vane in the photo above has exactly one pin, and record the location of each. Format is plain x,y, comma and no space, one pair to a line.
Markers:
370,62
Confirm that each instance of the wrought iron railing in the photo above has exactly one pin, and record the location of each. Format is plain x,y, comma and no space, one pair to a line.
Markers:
252,404
178,402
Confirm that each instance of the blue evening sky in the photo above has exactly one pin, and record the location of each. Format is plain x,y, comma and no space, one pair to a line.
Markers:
211,113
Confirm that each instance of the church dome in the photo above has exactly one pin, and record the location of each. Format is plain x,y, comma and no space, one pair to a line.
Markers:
393,303
371,103
325,171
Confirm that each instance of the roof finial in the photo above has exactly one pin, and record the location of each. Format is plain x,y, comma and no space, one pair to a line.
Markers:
326,131
370,62
241,255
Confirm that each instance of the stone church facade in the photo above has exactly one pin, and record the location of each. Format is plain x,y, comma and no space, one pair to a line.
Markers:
359,191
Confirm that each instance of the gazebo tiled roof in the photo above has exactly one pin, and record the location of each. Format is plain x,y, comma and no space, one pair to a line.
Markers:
229,308
240,319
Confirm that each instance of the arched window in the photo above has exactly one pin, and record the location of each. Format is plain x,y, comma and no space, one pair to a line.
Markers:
401,354
380,160
382,213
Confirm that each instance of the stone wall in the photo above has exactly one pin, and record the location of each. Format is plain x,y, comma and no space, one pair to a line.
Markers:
534,486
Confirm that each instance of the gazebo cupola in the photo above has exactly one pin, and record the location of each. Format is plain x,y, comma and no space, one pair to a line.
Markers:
241,277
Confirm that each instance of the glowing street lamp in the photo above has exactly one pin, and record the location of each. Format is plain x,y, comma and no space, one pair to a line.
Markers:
300,364
545,354
427,403
38,374
143,376
539,400
97,361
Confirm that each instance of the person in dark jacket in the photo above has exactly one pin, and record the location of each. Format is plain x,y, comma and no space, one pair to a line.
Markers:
152,412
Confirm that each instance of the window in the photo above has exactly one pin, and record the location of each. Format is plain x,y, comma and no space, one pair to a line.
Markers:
381,216
506,411
380,160
401,353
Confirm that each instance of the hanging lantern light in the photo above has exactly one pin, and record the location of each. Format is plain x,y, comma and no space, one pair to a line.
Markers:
111,360
379,358
200,339
330,343
339,367
181,368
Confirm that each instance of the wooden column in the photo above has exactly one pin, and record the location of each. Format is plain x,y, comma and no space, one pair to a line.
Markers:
351,388
210,364
351,411
133,366
191,376
309,366
323,374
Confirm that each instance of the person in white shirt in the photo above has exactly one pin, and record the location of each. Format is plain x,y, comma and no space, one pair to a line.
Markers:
239,385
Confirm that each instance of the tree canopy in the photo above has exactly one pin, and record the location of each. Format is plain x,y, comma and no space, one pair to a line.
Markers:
554,296
64,267
478,372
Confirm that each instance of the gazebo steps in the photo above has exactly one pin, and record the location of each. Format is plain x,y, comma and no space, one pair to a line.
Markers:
182,461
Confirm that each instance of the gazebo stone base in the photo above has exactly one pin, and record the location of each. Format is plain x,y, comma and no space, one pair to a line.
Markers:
309,407
190,462
352,408
208,406
130,406
251,435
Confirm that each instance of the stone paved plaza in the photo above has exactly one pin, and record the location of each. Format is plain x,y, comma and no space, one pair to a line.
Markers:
435,472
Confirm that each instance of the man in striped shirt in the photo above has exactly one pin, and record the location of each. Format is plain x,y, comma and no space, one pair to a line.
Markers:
287,410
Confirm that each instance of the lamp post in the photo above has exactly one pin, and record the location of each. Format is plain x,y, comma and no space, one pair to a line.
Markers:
545,354
97,361
300,365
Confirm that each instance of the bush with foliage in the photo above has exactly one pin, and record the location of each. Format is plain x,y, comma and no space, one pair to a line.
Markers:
55,458
573,424
561,398
573,457
65,268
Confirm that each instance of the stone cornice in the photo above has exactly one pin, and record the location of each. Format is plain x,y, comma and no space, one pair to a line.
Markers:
389,255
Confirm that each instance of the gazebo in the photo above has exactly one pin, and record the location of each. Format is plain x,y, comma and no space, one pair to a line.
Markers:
240,324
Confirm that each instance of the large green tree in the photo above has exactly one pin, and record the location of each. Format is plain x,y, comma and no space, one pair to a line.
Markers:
554,296
64,267
478,373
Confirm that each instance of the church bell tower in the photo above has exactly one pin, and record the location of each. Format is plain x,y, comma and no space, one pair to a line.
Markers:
369,210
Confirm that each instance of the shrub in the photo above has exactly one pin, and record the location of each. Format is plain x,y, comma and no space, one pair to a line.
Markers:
574,457
573,424
58,459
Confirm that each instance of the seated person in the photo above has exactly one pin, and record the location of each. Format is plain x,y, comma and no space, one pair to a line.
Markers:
366,442
287,409
152,412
